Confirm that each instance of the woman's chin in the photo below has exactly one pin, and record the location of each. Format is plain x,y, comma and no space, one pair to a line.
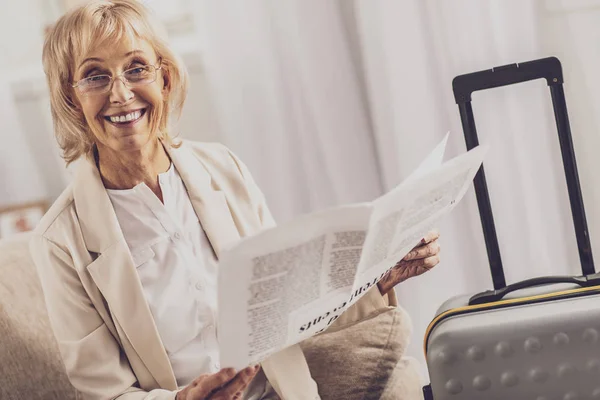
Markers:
128,141
135,136
135,141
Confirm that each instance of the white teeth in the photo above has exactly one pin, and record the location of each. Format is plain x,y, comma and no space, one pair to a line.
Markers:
126,118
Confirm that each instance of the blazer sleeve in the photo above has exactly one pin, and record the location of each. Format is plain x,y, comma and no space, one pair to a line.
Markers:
93,359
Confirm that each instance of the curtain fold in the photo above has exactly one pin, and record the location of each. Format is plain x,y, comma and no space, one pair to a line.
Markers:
289,102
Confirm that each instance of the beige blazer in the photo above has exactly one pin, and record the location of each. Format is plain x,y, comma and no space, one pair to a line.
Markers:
105,331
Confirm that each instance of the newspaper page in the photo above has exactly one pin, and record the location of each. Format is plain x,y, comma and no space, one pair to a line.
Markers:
398,221
404,215
430,163
308,262
292,281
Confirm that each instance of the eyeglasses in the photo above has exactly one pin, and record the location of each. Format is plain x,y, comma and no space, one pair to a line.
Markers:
133,77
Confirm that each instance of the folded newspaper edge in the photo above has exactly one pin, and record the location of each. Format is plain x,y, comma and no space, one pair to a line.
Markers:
290,282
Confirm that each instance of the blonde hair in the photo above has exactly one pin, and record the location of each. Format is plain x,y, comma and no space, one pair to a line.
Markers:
77,32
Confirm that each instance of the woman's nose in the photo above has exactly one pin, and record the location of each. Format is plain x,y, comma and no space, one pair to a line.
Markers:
120,93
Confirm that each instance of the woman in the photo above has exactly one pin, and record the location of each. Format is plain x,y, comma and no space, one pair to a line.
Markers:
127,254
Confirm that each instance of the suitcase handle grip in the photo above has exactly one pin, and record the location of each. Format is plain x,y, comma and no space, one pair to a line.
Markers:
490,296
548,68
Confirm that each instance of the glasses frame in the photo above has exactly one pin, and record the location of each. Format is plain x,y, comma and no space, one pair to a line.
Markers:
120,76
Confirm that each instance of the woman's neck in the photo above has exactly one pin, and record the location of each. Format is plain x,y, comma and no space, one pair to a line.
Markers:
125,170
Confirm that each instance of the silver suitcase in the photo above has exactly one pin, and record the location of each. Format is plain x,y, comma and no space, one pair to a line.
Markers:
537,339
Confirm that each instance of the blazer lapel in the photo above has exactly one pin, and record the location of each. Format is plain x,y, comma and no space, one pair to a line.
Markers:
115,275
208,201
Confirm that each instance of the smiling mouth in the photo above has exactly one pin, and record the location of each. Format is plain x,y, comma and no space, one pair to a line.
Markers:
126,119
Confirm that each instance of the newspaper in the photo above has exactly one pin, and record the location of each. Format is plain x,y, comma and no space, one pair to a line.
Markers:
290,282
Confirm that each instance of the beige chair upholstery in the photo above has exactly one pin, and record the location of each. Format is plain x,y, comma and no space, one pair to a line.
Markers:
366,360
30,364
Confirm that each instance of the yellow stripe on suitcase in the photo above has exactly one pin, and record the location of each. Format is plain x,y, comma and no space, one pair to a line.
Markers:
502,303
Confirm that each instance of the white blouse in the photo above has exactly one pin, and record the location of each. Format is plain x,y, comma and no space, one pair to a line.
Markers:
178,271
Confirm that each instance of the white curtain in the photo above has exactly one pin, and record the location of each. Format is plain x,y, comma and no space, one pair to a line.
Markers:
334,102
289,101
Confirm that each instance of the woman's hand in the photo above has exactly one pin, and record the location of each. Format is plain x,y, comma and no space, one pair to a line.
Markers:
224,385
421,259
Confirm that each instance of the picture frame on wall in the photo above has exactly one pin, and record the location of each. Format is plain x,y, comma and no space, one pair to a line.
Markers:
21,218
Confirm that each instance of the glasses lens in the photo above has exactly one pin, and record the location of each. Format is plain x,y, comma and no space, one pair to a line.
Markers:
94,84
140,75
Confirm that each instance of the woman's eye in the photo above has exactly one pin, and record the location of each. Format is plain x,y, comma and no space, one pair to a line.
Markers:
96,78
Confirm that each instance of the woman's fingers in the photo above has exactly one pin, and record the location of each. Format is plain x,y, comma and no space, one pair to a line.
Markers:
406,269
217,380
430,237
235,388
427,250
417,266
420,259
202,387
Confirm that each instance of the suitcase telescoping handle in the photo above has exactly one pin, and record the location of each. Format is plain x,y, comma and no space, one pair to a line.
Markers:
549,69
497,295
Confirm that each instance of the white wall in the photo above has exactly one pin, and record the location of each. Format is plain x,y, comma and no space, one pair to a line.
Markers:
20,180
21,35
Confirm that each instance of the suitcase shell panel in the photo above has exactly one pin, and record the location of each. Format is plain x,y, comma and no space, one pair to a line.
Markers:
473,353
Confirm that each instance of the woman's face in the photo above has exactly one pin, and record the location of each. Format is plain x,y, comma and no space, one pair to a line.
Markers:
104,112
